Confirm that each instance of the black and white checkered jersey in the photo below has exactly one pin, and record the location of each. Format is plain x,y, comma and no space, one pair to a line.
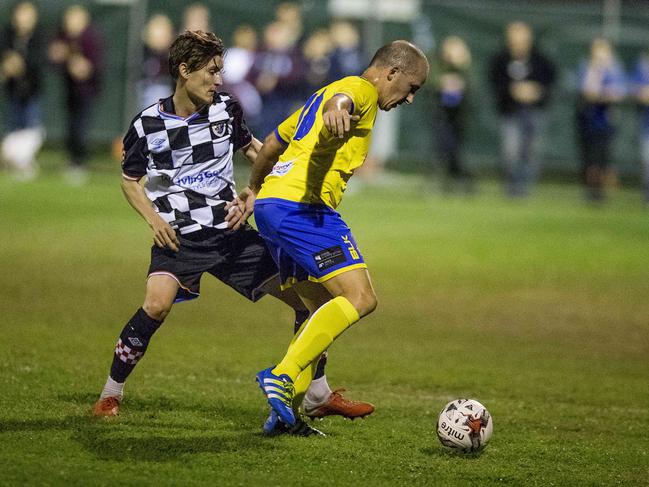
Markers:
187,161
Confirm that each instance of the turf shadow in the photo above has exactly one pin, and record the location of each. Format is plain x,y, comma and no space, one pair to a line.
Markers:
441,452
120,440
154,447
159,404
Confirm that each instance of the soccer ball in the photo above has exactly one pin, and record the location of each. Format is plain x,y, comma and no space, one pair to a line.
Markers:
464,425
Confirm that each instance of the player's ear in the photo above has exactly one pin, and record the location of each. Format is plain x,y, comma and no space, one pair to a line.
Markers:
392,72
183,70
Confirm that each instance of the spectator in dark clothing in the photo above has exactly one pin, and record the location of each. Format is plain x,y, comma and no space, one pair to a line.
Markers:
450,77
238,62
278,75
641,93
521,78
347,56
316,50
21,58
78,50
601,83
155,82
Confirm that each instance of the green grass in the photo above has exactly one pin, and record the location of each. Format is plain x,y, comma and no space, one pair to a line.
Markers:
537,308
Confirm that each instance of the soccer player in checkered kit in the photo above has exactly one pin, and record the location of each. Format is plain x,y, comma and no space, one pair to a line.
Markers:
183,148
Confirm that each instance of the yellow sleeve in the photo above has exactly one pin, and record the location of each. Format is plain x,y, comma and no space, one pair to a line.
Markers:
361,99
285,130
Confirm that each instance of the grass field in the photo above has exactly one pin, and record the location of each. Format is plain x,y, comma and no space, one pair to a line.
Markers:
537,308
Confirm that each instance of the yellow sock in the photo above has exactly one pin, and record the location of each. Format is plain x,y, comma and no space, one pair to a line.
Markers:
303,382
324,326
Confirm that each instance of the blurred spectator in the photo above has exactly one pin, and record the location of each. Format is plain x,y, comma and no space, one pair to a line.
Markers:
641,92
21,57
347,57
78,50
278,75
155,82
521,78
290,15
196,17
238,62
317,51
601,83
451,83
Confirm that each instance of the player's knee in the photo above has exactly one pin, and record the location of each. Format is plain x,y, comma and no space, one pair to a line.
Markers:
364,301
157,308
370,303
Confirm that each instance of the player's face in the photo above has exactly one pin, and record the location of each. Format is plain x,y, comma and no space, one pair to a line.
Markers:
203,83
400,87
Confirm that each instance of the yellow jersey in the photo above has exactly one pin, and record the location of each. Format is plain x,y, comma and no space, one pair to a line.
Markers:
316,165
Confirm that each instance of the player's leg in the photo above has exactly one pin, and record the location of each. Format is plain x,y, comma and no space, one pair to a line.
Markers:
311,243
312,391
313,296
354,298
134,339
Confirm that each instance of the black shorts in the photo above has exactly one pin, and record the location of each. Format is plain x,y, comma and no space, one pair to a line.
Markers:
239,259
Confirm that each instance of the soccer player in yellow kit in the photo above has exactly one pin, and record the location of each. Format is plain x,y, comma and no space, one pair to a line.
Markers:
295,209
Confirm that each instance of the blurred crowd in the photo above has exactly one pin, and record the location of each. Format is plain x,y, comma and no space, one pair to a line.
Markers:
274,69
522,80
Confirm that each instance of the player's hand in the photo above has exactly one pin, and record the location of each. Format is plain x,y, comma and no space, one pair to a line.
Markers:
339,121
240,208
164,235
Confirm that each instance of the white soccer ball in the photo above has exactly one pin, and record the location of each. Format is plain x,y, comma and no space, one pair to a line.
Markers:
465,425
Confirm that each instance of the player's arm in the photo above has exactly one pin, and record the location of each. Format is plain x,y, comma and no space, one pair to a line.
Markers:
134,164
163,234
266,159
337,114
263,158
252,150
240,208
262,163
274,146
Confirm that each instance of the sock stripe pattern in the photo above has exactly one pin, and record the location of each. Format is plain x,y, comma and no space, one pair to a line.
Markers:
132,344
126,354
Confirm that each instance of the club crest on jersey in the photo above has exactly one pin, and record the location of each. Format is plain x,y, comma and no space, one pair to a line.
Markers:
219,129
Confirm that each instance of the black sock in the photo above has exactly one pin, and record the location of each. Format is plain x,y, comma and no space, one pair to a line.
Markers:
300,317
320,369
132,344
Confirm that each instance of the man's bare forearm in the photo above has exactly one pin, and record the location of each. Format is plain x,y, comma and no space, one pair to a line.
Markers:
136,197
252,150
266,159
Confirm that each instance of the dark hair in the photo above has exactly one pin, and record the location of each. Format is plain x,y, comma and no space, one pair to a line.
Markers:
194,48
402,54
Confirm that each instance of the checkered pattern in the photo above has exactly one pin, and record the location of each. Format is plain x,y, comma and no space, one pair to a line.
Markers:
126,354
187,161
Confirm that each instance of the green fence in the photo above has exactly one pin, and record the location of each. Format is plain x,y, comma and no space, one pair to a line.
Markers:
563,31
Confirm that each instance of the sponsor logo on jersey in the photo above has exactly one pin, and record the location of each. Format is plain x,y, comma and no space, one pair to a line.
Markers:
201,177
281,168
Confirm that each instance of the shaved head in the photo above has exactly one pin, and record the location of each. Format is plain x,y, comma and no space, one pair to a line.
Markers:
401,54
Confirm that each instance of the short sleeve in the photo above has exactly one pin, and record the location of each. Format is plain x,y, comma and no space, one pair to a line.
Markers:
285,130
361,94
136,155
241,135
